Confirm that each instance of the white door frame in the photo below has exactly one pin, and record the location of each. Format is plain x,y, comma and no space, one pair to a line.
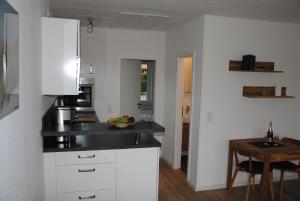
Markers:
178,111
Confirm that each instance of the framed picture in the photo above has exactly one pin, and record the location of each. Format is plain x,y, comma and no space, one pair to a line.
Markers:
9,59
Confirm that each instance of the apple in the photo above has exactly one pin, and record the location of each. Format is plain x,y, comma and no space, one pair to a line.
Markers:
131,120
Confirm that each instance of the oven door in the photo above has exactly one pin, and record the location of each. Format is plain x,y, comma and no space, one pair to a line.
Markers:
84,99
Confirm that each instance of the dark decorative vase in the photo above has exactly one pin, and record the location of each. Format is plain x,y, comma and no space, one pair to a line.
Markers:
248,62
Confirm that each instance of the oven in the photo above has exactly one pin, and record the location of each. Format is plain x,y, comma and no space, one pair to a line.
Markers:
84,101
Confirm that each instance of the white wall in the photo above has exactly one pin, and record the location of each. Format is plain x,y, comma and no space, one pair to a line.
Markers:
234,116
109,46
185,39
21,169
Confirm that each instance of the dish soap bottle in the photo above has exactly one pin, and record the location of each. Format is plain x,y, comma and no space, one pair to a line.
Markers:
270,134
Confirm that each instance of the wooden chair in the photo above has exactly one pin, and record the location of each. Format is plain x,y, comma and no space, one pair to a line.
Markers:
251,167
286,166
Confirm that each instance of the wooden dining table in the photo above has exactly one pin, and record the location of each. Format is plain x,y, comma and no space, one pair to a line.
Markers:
287,151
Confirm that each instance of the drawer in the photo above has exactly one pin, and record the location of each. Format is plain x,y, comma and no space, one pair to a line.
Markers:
85,157
105,195
78,178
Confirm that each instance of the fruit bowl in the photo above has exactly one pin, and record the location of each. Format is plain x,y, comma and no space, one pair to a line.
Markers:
121,122
118,125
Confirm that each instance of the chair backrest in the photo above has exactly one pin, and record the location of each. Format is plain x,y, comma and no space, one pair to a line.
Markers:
242,151
291,140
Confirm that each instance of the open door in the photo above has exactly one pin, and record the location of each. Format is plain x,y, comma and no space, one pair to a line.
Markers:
130,87
183,112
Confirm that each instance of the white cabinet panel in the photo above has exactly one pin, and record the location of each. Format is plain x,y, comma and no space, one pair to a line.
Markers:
85,157
60,56
137,174
49,177
110,175
105,195
76,178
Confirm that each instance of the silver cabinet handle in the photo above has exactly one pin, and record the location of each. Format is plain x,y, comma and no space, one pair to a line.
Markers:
88,156
87,197
87,170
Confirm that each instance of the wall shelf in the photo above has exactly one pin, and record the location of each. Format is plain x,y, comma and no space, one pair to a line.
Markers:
264,92
260,92
258,71
261,67
270,97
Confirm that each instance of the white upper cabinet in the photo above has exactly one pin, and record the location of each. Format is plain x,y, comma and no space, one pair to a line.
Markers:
60,56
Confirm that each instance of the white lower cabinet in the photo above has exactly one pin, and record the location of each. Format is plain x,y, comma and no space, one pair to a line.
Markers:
137,173
75,178
108,175
104,195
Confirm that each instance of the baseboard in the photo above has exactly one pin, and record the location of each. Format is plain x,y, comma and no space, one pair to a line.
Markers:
191,185
239,183
212,187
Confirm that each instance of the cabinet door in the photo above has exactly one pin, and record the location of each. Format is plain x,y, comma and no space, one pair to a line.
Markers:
137,174
60,56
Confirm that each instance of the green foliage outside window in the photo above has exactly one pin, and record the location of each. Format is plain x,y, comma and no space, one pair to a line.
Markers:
144,82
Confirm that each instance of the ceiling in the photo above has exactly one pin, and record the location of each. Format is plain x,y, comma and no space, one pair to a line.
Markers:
107,13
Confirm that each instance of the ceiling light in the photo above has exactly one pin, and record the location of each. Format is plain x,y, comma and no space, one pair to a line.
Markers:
145,14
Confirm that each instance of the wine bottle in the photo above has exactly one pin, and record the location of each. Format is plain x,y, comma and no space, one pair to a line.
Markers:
270,134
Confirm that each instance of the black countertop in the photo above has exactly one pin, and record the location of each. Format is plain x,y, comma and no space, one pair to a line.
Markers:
99,129
97,136
101,142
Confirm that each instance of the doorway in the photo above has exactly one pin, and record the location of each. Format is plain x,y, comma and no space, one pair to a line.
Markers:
183,111
137,88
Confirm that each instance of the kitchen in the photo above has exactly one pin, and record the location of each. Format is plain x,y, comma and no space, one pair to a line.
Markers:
88,158
84,157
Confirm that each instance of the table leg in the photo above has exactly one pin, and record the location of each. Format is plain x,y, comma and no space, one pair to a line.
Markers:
265,180
229,168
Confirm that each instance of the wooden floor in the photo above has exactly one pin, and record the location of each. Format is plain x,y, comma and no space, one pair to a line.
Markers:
173,187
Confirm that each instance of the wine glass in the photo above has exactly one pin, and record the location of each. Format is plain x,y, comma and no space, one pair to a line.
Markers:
276,140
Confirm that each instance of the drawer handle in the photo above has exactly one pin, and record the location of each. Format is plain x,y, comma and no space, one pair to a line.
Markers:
87,197
88,156
87,170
